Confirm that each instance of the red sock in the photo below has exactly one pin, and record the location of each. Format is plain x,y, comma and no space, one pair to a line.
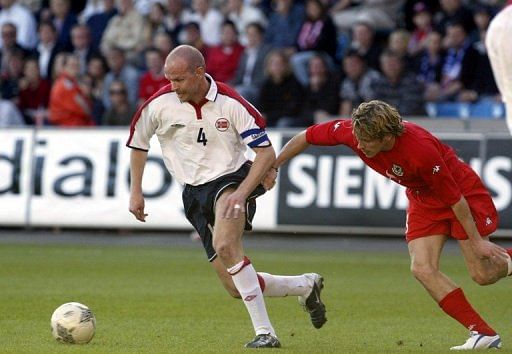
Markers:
457,306
509,251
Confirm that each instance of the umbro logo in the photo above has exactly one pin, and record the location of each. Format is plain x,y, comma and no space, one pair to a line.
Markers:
250,297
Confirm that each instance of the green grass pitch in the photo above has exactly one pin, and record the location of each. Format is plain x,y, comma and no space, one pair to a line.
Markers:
168,300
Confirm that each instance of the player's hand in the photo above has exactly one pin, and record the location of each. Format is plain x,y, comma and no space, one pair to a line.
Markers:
137,206
269,181
234,206
487,250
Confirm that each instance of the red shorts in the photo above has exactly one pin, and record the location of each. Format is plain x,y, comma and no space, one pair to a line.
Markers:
427,216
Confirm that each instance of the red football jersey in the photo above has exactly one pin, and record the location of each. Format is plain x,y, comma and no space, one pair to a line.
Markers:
418,161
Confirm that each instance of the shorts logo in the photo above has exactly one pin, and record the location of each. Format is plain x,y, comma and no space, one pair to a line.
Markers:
222,124
397,170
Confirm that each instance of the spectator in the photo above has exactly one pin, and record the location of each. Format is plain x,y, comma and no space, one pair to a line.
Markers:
10,116
58,65
478,84
398,87
97,70
222,60
9,83
460,53
429,64
86,83
317,35
363,41
482,16
63,19
32,5
422,19
284,25
153,79
120,69
321,98
155,22
176,17
10,46
250,74
121,111
383,14
281,93
192,36
243,14
398,43
92,7
356,87
163,42
209,20
69,105
125,31
82,46
97,23
22,19
47,49
34,93
453,11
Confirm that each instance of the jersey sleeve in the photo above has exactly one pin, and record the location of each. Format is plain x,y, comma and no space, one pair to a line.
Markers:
438,176
250,124
330,133
141,130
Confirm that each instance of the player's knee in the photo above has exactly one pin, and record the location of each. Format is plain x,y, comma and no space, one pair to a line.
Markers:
423,272
483,278
225,250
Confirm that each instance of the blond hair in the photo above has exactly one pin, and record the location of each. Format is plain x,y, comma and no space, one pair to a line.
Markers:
376,119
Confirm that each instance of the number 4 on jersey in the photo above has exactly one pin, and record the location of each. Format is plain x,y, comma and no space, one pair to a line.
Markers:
201,137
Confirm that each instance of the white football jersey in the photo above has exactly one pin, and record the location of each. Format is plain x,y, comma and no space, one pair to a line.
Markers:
199,142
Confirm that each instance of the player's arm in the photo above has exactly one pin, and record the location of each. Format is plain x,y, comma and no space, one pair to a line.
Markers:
137,162
295,146
482,248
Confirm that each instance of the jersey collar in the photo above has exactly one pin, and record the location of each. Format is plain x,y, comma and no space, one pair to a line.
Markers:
211,95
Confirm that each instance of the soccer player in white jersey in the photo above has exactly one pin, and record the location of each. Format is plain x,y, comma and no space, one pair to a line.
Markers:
204,128
499,49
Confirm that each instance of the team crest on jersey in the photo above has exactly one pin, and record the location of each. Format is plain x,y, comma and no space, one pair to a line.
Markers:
222,124
397,170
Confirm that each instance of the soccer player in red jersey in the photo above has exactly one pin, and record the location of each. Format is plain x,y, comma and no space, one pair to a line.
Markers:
205,128
446,199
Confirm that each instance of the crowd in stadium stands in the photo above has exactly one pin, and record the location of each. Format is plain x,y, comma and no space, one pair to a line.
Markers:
84,63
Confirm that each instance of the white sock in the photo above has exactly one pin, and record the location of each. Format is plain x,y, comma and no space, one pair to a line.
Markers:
247,284
282,285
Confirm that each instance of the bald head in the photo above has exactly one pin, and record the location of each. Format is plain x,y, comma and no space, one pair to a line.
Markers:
187,54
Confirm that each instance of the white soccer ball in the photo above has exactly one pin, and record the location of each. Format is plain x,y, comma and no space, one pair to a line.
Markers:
74,323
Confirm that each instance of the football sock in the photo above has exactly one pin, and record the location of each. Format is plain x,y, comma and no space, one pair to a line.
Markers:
281,285
246,282
509,261
457,306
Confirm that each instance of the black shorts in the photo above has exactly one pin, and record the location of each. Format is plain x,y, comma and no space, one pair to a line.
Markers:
199,203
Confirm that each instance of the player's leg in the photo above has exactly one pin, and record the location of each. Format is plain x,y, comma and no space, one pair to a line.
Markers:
484,271
307,287
227,242
425,254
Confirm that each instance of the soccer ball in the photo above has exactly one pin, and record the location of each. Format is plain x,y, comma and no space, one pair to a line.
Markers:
74,323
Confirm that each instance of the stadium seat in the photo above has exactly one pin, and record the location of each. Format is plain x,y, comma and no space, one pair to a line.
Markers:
448,110
487,109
